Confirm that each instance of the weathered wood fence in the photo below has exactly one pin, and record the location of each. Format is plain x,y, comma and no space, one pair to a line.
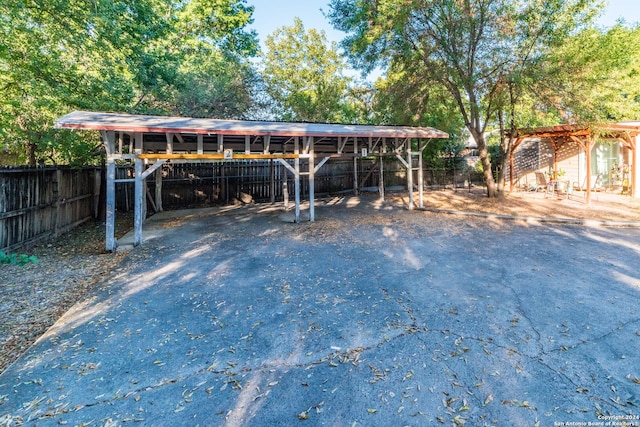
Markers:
37,203
43,202
200,184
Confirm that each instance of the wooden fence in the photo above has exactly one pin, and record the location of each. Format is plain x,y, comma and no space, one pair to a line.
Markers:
43,202
202,184
37,203
205,184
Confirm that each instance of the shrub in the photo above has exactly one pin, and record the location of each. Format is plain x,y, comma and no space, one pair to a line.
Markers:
16,259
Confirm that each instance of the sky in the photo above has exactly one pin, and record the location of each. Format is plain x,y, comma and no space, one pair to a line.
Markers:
272,14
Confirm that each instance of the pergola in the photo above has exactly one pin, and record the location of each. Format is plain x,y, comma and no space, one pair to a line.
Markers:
302,148
585,137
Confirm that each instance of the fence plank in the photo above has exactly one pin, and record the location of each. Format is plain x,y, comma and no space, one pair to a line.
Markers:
36,203
41,202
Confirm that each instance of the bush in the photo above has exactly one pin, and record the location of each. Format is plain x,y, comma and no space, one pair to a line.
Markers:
16,259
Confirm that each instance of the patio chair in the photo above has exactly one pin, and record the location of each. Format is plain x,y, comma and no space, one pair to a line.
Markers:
596,183
541,182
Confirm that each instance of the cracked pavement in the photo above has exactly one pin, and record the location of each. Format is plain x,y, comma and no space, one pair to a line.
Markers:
372,315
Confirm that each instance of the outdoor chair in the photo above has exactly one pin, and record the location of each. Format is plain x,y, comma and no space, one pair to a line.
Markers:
596,184
541,182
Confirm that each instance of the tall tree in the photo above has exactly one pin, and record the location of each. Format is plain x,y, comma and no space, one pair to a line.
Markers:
114,55
596,76
405,97
303,73
468,47
592,77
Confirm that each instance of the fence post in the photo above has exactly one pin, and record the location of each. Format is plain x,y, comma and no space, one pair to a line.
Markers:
57,177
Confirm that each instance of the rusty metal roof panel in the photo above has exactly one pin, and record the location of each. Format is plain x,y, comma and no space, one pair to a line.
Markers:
88,120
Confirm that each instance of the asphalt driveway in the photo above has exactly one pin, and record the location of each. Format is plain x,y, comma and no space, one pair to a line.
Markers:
372,315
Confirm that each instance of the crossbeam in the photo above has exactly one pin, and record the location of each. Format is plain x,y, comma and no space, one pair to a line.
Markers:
216,156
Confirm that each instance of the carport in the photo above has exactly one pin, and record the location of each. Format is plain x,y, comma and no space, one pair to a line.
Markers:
302,148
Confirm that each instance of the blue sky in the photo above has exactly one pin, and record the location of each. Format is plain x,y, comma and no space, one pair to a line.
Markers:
272,14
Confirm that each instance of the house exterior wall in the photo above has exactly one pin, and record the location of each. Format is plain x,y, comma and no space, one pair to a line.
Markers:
536,155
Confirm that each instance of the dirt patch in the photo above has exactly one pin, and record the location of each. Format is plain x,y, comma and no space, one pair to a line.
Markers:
34,296
604,206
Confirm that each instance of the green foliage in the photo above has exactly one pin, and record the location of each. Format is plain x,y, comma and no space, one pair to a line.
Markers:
595,76
16,259
404,98
470,49
304,76
159,56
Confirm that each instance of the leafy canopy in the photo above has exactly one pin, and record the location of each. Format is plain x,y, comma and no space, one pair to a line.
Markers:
115,55
467,47
304,75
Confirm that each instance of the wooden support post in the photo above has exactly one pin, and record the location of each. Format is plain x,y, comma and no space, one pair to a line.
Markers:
635,163
272,181
421,176
109,142
381,179
200,144
555,158
312,183
138,143
169,137
158,195
410,174
588,146
247,144
355,166
296,165
111,205
139,197
138,193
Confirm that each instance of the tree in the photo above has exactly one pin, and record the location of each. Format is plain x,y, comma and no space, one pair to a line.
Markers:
112,55
468,47
596,76
303,74
405,97
592,77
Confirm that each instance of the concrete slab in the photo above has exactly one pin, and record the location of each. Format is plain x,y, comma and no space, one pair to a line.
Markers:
372,315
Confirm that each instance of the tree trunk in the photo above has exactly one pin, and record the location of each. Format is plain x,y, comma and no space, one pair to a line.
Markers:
488,175
486,163
505,149
31,153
